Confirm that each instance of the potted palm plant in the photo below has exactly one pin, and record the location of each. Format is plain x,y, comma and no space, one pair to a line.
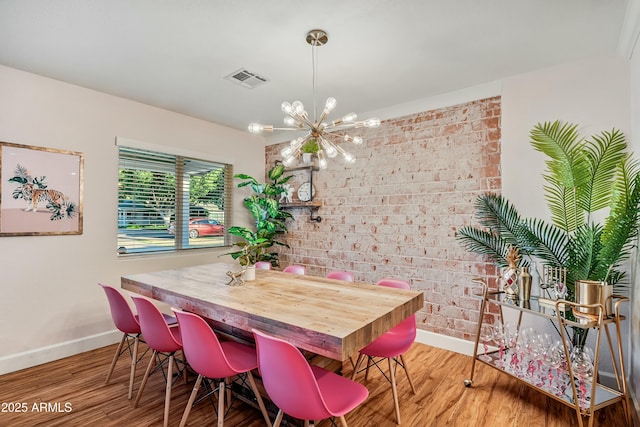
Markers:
584,177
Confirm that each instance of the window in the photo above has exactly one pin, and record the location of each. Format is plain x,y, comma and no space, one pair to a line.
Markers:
169,202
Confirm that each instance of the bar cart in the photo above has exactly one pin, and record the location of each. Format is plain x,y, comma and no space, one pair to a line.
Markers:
585,397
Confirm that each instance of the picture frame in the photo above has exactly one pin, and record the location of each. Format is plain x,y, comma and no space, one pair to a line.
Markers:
41,191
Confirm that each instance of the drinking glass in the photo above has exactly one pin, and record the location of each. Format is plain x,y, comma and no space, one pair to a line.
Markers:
499,338
560,289
486,335
511,338
555,360
582,364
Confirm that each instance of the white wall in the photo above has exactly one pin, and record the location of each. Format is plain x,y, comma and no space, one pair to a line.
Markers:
50,305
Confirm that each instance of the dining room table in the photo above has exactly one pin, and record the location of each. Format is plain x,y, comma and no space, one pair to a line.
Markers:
329,317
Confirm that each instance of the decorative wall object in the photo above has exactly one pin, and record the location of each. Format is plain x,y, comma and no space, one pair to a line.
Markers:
40,191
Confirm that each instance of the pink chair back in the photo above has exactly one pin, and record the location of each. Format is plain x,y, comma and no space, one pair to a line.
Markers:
263,265
394,283
154,327
408,326
295,269
202,347
288,379
341,275
121,312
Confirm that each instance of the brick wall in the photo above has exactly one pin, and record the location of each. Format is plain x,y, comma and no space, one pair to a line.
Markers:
395,212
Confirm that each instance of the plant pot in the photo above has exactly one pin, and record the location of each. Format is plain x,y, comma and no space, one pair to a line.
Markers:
591,292
250,273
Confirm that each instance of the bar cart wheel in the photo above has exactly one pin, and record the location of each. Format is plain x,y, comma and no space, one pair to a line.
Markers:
467,383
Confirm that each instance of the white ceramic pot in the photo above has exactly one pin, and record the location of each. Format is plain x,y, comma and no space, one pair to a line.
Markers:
307,157
250,273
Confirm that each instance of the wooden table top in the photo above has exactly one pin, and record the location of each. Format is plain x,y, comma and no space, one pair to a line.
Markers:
330,317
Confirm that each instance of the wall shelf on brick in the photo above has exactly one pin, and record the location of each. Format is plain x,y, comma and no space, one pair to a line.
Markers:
311,204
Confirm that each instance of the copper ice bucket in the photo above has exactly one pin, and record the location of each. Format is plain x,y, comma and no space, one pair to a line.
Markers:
591,292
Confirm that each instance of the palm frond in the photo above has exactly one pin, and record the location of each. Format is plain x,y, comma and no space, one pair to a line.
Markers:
545,241
568,170
604,154
554,140
583,253
498,215
484,243
563,205
621,226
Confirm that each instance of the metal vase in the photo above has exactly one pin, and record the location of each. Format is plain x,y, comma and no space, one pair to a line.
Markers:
593,292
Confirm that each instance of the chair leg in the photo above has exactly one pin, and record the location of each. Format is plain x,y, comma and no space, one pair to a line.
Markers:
115,358
252,383
394,390
278,420
404,365
343,422
167,396
369,363
134,363
227,381
192,398
306,423
145,378
221,392
357,365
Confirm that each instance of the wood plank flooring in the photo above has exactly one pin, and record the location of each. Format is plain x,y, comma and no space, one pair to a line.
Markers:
442,399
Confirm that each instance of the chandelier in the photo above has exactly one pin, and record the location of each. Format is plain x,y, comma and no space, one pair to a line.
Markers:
321,137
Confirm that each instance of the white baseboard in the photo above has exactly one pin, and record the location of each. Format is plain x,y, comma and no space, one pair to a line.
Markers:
38,356
445,342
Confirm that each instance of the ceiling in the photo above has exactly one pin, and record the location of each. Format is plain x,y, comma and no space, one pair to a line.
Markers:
174,54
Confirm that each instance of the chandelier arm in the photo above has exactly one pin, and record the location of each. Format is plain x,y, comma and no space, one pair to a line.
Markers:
292,129
339,128
337,135
305,120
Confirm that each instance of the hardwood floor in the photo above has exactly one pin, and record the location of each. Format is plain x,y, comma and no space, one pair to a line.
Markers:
442,399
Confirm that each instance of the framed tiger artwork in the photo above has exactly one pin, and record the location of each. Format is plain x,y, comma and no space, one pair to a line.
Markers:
40,191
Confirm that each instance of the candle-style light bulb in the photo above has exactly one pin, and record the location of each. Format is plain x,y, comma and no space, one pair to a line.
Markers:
286,108
290,121
330,104
349,158
287,151
372,122
256,128
322,161
349,117
298,107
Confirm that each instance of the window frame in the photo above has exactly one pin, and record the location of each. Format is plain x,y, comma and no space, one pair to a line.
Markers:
183,167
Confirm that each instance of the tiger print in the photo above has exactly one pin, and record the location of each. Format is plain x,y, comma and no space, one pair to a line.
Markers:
35,195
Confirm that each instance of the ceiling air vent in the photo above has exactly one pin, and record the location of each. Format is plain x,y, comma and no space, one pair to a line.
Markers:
246,78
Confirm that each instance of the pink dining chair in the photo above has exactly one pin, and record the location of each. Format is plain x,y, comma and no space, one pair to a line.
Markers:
127,322
391,346
164,341
301,390
214,359
263,265
295,269
341,275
